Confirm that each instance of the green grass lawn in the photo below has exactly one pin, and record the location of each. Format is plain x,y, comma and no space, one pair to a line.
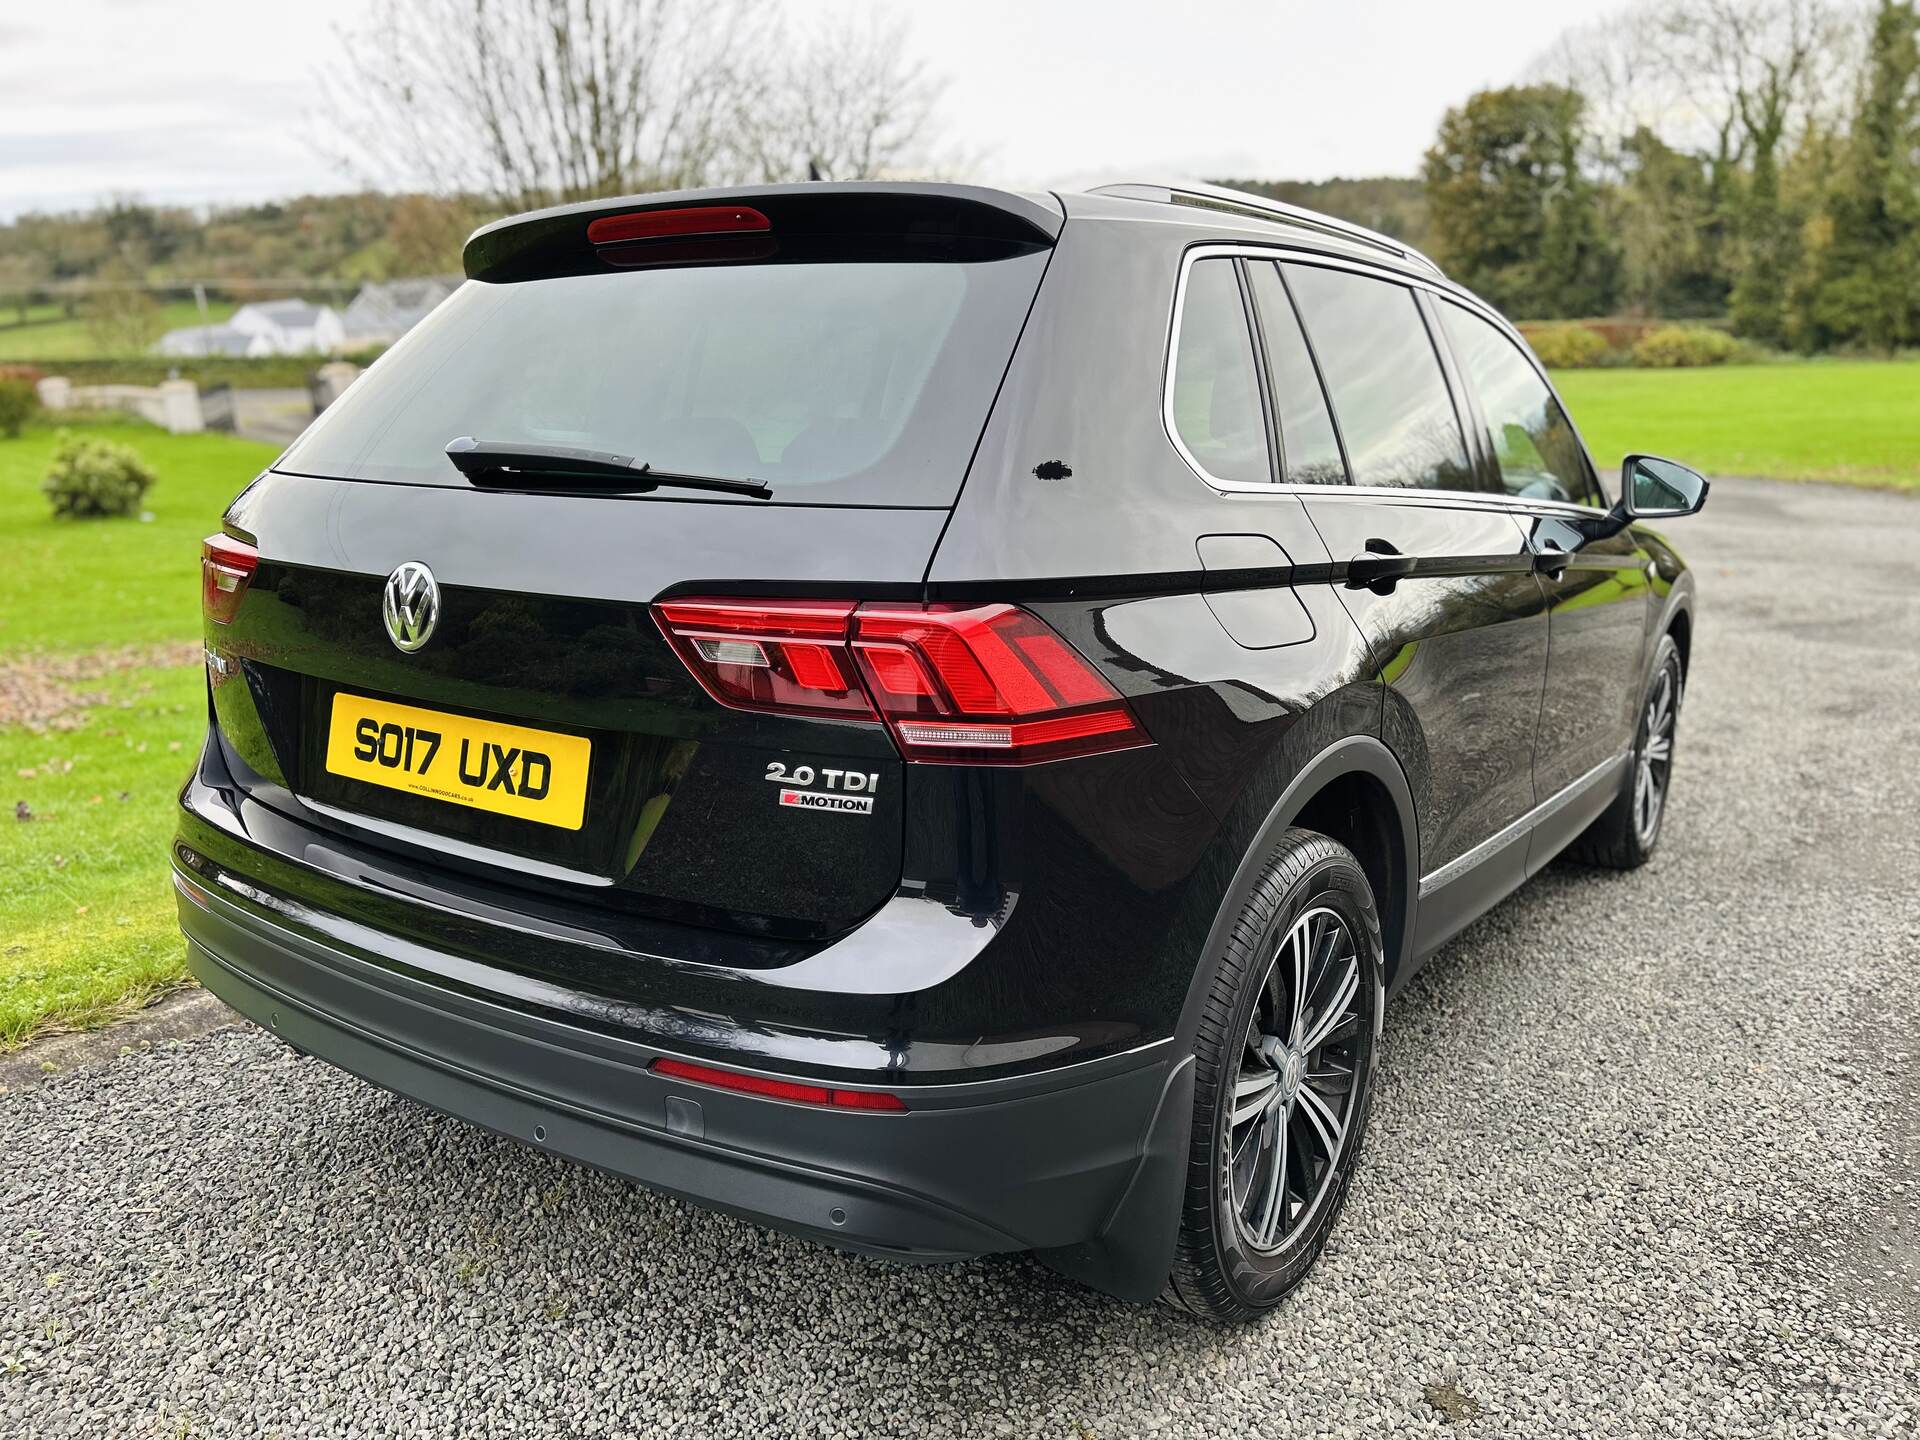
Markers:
89,584
1856,422
50,335
87,928
86,916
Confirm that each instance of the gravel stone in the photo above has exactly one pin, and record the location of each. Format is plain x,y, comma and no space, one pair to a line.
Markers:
1643,1162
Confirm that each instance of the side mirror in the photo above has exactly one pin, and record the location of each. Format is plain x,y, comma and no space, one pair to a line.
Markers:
1656,489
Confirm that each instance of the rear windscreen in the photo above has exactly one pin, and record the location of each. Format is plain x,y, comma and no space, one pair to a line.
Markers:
837,383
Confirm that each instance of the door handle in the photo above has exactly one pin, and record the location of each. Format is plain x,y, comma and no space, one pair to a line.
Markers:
1379,569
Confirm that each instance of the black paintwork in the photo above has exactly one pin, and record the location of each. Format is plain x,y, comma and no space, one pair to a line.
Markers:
983,925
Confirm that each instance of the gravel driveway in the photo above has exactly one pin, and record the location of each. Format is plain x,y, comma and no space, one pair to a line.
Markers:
1643,1162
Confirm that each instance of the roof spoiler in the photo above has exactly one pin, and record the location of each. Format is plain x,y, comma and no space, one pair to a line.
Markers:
875,219
1260,207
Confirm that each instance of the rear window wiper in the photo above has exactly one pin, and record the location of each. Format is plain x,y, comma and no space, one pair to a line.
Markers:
503,466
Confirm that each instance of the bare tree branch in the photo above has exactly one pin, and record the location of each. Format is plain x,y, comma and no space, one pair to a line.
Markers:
532,102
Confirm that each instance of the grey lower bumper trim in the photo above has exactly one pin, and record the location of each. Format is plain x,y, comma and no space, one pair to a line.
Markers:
1041,1170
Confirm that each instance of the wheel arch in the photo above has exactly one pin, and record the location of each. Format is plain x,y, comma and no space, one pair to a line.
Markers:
1133,1252
1680,627
1355,791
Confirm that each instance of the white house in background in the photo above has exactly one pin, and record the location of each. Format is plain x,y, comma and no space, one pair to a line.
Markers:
269,327
381,313
294,327
223,340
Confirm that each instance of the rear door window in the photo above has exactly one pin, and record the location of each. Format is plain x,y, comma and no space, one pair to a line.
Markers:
835,382
1309,448
1216,387
1389,393
1540,457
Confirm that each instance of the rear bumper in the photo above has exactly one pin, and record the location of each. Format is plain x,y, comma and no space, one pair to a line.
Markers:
1041,1161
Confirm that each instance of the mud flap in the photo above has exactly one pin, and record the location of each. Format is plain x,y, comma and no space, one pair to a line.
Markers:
1133,1253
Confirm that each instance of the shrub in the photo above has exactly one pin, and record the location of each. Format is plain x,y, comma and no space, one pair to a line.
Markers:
1568,347
32,374
1681,345
17,404
93,477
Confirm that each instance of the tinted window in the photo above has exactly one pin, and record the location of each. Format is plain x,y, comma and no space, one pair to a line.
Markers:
1389,393
1540,456
1309,449
836,382
1216,390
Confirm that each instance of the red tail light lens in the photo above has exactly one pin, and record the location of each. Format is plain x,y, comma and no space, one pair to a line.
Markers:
226,568
767,655
986,683
789,1090
983,684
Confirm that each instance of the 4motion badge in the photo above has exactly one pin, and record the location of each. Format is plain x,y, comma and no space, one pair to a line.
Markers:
848,791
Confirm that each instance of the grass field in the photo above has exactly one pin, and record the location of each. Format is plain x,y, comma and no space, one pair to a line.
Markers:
87,585
49,335
98,624
1855,422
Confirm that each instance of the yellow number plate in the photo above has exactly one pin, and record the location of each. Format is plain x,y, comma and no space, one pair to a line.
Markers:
531,774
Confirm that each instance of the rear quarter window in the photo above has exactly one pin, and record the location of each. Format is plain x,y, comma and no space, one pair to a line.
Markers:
1216,389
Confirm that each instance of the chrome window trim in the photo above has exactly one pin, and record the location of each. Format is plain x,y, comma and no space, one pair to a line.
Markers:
1441,290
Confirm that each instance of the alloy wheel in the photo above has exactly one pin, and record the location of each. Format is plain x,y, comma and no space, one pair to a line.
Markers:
1655,759
1294,1094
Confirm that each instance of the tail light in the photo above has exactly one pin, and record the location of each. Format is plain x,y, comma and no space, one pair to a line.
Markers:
983,684
226,568
790,658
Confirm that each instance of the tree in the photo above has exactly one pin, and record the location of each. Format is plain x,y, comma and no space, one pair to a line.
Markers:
1663,214
534,102
1866,285
425,234
21,273
1742,76
847,104
121,317
1509,209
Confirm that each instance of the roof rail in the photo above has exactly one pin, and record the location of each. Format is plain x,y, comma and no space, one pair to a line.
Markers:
1260,207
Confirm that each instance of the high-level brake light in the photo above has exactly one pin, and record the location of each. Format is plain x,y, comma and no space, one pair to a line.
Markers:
979,684
682,223
226,567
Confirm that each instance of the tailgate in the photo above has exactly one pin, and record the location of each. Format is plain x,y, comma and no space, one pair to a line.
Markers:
544,644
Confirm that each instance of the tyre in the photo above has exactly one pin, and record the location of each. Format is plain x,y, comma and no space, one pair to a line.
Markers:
1624,836
1284,1065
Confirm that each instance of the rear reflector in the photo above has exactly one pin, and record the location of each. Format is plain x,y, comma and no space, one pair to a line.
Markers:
664,224
226,567
982,684
790,1090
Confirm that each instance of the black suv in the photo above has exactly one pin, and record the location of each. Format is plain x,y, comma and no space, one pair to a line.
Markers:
927,717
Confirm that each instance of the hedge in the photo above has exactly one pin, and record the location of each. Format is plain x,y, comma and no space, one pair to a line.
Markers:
278,372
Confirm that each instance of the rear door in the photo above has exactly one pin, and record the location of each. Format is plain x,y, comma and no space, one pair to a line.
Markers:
546,734
1433,568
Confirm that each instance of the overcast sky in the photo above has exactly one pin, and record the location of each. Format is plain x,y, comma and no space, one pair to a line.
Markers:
207,101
